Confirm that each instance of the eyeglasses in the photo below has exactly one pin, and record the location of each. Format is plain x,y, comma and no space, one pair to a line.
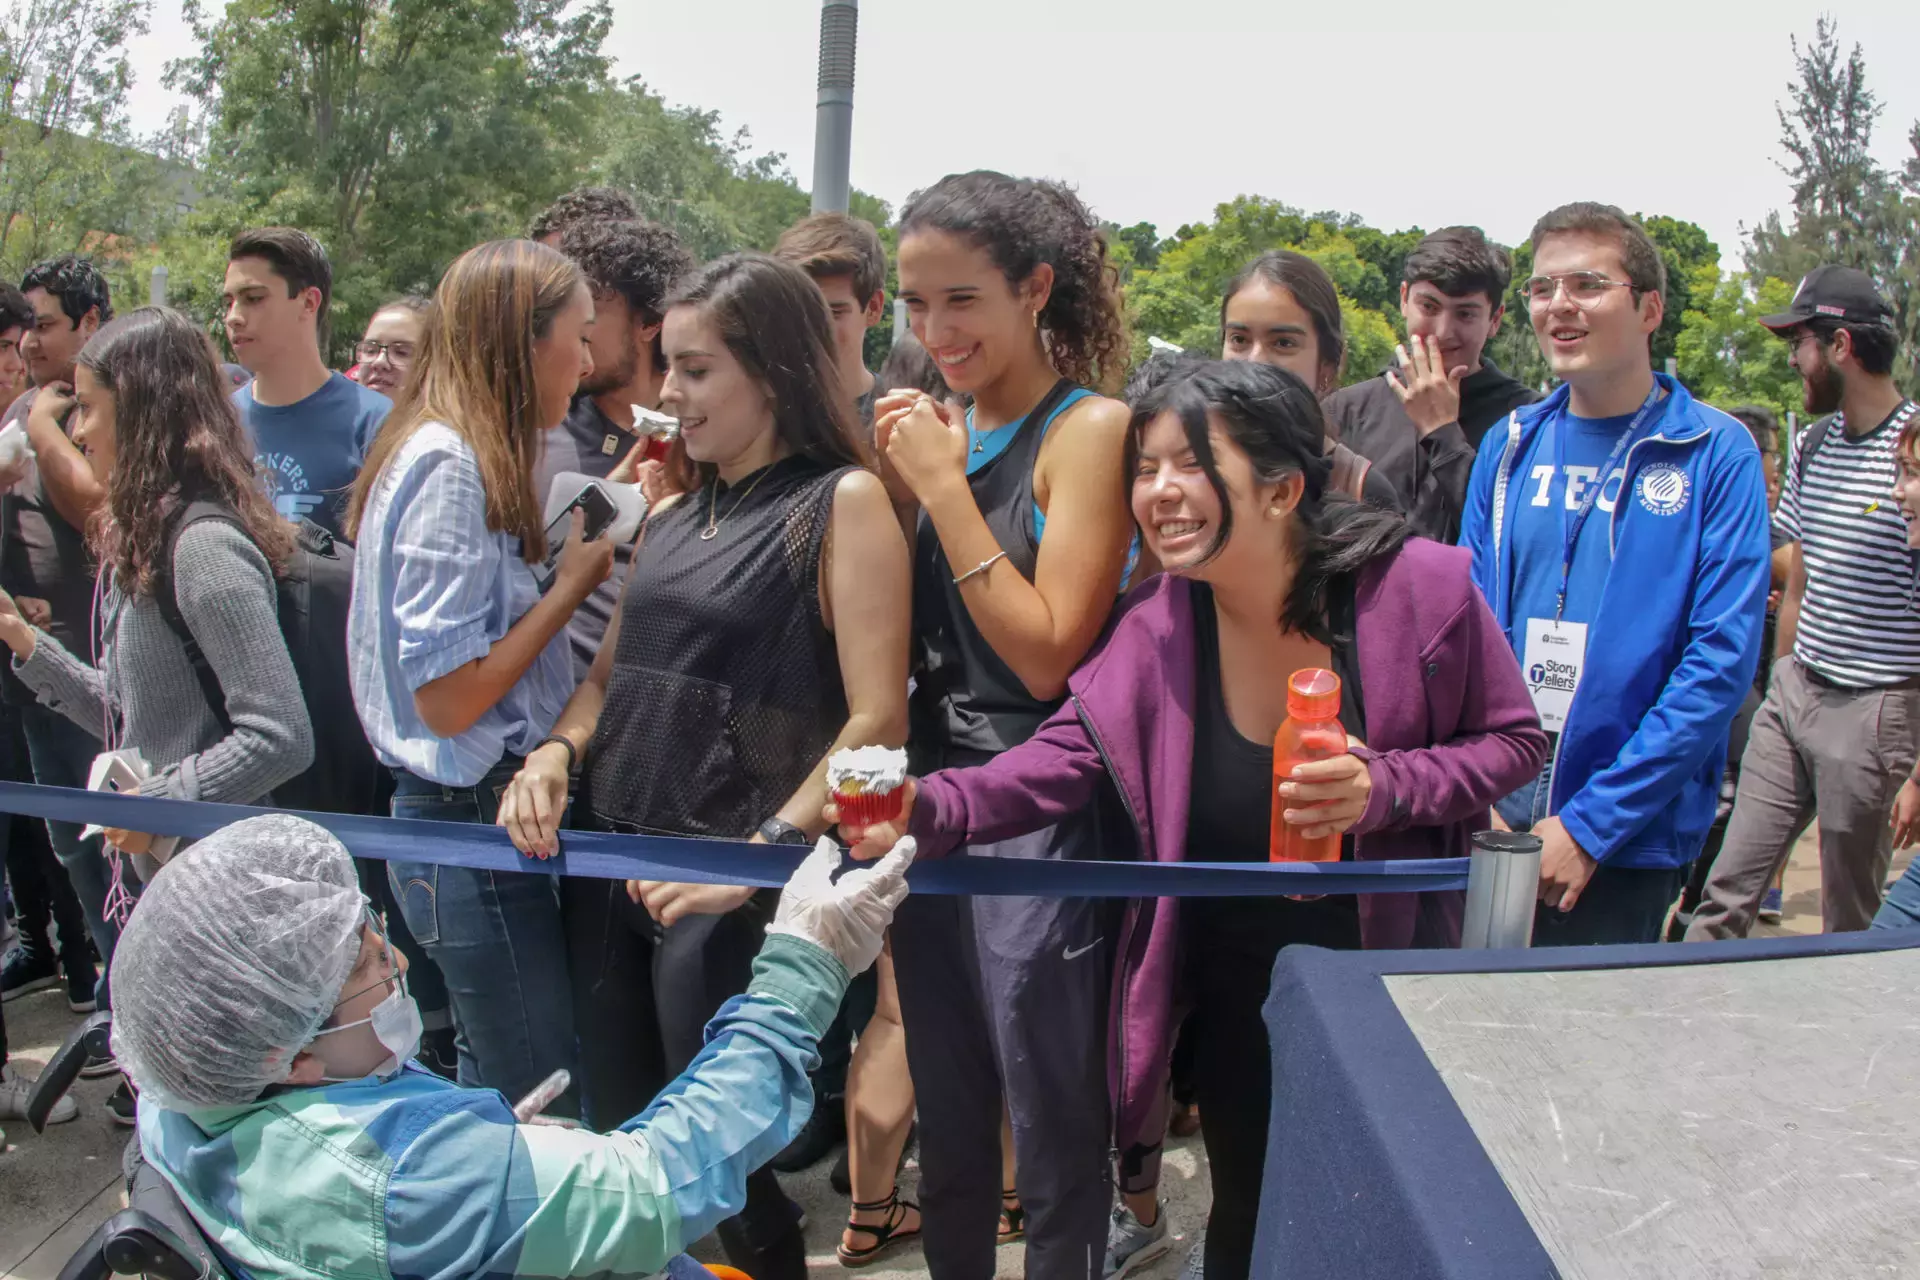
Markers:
1585,288
395,352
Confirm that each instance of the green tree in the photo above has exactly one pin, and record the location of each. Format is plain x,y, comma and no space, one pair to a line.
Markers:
399,133
1725,356
1846,207
70,176
1686,250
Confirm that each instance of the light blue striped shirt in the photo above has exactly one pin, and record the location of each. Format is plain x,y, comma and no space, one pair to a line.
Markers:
434,589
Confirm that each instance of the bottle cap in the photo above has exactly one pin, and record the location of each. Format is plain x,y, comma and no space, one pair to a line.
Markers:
1313,694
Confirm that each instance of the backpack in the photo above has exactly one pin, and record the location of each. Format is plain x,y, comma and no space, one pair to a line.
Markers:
313,598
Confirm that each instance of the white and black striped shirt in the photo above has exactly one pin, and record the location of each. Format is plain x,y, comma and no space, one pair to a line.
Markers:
1859,620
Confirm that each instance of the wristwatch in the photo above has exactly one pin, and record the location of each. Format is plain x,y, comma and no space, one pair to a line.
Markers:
780,831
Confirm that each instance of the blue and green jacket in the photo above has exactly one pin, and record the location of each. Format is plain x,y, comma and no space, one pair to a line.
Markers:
409,1177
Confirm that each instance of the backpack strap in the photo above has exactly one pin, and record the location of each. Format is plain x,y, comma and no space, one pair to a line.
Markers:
169,602
1816,435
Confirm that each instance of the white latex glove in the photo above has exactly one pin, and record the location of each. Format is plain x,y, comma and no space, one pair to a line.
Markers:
849,918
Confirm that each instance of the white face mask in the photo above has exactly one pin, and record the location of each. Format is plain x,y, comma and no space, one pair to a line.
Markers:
396,1024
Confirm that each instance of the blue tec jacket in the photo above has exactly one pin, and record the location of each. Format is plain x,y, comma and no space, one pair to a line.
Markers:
1677,634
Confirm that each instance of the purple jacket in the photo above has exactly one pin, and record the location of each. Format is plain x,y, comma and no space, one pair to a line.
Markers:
1450,727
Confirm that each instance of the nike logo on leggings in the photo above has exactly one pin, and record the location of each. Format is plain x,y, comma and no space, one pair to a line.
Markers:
1074,953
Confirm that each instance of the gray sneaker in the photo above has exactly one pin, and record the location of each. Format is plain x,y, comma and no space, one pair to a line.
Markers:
1196,1268
15,1089
1132,1245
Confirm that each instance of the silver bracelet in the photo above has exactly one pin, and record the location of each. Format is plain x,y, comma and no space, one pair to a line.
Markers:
979,569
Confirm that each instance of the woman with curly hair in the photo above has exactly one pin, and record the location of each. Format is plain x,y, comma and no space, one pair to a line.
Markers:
1021,538
153,413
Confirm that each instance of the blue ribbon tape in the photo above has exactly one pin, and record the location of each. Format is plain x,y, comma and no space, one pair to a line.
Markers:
608,856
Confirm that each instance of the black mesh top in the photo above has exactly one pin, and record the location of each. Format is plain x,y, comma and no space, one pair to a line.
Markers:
965,696
725,689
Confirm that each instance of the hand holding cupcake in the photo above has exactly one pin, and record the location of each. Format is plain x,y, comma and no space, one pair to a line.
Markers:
871,798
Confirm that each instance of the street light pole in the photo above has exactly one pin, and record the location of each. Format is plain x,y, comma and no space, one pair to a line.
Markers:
833,113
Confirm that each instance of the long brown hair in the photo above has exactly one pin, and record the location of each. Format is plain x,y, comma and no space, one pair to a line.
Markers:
774,320
177,440
475,373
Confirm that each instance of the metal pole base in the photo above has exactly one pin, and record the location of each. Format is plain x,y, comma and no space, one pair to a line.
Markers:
1503,883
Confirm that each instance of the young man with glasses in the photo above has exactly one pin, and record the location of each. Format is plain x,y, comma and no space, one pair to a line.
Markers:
1840,727
310,426
1619,530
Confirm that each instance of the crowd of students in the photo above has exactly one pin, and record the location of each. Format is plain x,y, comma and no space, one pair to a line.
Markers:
1076,606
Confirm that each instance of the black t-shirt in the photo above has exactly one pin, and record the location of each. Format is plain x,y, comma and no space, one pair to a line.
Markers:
1231,809
41,555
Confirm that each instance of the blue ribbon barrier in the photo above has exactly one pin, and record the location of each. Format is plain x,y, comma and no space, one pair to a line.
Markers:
610,856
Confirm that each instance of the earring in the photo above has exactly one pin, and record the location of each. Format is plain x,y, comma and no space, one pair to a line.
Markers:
1036,319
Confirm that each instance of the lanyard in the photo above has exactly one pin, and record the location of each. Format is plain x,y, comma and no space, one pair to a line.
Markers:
1593,495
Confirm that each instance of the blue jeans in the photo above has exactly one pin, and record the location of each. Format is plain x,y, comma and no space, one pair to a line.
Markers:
497,939
1901,907
62,754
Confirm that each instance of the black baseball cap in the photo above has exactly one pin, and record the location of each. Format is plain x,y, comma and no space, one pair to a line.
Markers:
1834,292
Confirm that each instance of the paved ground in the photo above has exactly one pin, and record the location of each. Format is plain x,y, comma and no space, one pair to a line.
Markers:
55,1189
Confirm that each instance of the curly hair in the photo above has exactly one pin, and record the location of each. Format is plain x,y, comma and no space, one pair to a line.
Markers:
639,260
76,282
1022,223
177,440
583,204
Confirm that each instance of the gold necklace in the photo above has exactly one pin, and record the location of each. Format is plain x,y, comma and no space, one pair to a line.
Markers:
713,525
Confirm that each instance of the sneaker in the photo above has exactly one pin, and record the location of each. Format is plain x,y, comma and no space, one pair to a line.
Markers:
122,1106
1132,1245
1771,907
14,1091
28,968
100,1060
1196,1268
81,978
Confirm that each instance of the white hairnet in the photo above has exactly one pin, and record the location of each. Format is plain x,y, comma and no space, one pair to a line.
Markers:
235,955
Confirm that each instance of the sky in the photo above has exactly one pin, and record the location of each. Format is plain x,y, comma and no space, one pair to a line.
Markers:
1408,114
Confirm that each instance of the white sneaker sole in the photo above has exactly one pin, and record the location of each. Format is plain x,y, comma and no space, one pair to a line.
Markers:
27,988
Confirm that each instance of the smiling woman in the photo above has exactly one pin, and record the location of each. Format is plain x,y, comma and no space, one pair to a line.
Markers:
764,625
1020,544
1268,572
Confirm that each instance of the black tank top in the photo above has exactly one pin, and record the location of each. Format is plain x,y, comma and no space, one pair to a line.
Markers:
725,689
966,701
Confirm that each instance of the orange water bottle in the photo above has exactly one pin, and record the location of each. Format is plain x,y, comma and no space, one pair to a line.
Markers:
1311,731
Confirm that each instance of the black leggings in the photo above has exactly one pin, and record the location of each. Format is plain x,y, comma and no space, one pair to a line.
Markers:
643,996
1228,972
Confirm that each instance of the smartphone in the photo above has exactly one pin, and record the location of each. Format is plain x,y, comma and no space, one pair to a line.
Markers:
600,513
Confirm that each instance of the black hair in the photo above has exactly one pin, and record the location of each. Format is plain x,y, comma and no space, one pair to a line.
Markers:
908,365
1022,223
584,204
1275,419
1874,345
1759,419
1459,261
1646,269
15,311
1156,370
774,320
1311,287
639,260
76,282
295,257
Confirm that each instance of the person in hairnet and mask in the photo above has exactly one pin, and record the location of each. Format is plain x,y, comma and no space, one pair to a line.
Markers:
265,1021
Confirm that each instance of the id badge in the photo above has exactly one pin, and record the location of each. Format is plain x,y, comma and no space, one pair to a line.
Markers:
1556,652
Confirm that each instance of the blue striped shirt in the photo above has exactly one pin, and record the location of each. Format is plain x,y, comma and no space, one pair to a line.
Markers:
434,589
